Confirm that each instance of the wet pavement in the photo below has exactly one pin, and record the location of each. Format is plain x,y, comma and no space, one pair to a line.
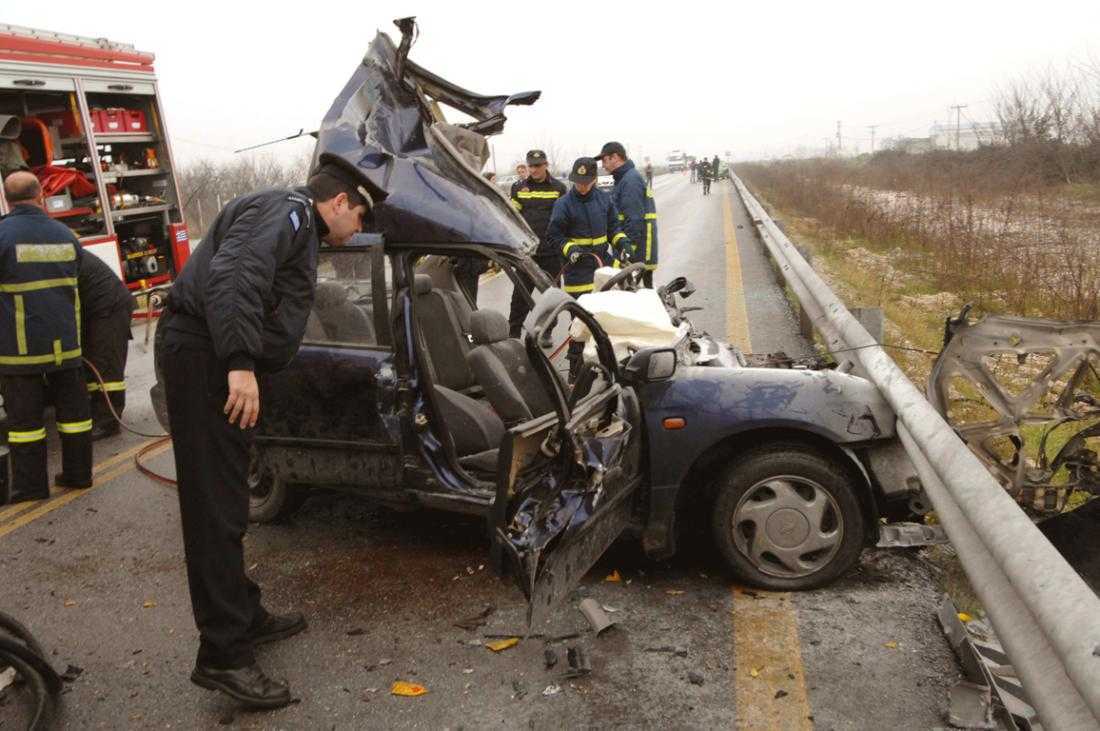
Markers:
99,577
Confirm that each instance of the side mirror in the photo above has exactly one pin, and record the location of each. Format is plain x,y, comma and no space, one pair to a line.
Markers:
680,285
651,365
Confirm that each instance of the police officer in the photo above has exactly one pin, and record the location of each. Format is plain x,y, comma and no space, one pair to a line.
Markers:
585,227
106,307
40,342
534,198
637,210
238,308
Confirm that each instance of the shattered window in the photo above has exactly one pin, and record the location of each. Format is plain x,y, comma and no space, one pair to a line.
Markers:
343,306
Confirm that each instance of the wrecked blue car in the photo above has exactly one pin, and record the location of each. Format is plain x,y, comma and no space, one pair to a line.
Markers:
404,392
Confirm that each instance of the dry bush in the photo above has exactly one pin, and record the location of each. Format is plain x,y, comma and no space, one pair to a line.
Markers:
206,186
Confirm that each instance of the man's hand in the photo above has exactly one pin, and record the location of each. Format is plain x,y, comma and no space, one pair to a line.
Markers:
244,399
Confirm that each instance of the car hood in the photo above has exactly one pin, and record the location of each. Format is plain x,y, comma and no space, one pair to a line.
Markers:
423,174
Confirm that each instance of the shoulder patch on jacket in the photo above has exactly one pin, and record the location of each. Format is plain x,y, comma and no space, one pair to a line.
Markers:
307,208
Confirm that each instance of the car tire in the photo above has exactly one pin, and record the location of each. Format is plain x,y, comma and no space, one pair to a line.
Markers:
270,499
786,517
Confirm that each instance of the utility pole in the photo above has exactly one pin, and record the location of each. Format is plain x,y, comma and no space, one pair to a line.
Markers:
872,127
839,140
958,118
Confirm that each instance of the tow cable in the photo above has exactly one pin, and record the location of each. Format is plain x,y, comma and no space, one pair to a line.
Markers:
160,438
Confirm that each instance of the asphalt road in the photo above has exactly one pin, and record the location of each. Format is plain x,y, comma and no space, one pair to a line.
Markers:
99,576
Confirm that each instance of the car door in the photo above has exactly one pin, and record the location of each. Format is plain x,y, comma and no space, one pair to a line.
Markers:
329,416
567,481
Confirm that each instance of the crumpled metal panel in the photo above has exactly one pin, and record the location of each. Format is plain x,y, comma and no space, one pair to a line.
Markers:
1044,391
385,126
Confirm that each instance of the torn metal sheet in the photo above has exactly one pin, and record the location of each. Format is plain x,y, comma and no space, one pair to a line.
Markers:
985,663
423,174
595,615
1014,388
970,705
910,535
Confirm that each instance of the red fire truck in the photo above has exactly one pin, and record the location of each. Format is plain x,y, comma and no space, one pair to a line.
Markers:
84,114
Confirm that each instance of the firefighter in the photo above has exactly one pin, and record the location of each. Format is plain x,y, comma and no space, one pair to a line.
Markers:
585,227
106,308
534,198
633,198
40,260
239,308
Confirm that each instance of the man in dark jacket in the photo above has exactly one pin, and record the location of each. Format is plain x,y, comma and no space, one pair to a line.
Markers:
40,342
534,198
691,165
106,307
637,210
240,307
703,171
714,168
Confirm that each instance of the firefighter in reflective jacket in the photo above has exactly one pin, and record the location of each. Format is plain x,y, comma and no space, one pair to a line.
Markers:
40,260
585,227
637,209
106,306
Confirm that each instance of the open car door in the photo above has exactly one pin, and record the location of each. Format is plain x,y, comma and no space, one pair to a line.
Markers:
567,480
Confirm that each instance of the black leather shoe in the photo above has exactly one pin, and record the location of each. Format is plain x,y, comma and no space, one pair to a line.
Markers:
277,627
61,481
249,685
105,429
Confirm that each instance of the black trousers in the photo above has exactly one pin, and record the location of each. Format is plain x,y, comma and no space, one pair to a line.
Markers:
706,186
549,263
106,345
647,278
25,399
212,473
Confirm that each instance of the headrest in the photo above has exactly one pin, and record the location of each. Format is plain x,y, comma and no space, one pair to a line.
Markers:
422,284
329,294
488,326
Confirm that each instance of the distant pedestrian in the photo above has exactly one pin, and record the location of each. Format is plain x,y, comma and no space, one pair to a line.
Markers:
691,166
648,173
714,168
704,173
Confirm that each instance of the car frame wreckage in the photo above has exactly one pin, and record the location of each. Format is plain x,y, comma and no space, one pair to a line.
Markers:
405,393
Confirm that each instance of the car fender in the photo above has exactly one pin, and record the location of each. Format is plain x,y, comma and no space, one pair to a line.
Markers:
717,404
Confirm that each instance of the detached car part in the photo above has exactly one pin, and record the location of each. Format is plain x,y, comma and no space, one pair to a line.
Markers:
1025,396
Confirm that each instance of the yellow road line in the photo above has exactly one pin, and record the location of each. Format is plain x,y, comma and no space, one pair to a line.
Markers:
737,319
766,649
767,660
103,474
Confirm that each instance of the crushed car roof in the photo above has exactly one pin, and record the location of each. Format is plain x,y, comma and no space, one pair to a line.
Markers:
423,174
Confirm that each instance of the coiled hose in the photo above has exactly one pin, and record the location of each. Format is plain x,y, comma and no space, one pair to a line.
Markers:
21,651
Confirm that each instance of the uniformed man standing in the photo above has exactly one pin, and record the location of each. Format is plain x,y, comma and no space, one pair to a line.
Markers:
534,198
106,306
692,166
585,227
239,307
637,210
703,171
40,342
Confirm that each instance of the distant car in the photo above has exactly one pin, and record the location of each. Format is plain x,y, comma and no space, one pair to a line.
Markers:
405,393
605,182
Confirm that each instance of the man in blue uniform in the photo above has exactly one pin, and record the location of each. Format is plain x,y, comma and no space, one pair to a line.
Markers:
585,227
534,198
40,342
637,209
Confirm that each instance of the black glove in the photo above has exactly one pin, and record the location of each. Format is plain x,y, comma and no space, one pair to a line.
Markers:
574,257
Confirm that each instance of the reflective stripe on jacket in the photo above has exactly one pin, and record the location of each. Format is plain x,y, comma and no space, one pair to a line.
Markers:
637,211
535,201
39,307
588,224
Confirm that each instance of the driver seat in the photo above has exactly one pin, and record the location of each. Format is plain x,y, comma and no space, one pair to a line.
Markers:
506,375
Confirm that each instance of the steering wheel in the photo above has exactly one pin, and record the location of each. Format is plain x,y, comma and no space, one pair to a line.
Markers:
629,279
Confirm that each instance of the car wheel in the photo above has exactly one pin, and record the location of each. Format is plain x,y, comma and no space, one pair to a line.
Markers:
785,517
271,499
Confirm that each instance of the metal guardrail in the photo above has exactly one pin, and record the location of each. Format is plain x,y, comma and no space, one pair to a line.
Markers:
1045,615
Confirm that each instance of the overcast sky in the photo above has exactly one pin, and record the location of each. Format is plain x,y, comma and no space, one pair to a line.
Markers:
753,78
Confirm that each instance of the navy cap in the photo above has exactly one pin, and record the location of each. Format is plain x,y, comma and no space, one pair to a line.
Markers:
584,170
611,148
536,157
